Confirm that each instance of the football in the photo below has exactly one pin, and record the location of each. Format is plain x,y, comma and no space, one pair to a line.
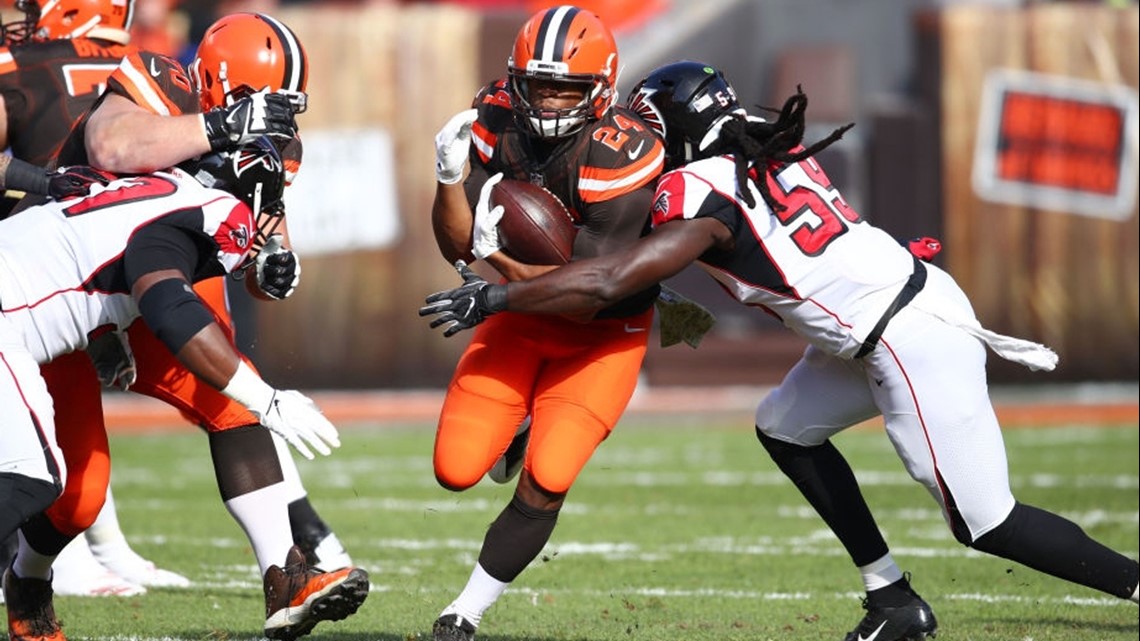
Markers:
536,228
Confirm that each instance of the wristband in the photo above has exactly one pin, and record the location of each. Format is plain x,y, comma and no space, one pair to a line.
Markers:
247,388
26,177
495,297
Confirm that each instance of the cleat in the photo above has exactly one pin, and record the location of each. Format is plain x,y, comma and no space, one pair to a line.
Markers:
31,616
509,464
913,621
452,627
298,596
121,560
76,572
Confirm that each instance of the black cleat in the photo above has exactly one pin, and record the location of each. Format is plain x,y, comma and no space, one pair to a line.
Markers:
913,621
452,627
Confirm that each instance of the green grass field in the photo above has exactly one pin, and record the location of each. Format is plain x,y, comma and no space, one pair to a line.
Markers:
677,530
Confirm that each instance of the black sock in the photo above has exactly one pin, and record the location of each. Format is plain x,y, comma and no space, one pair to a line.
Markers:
515,539
245,460
1056,546
827,482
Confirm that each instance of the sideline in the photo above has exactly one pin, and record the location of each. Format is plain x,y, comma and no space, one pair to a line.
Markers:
1016,407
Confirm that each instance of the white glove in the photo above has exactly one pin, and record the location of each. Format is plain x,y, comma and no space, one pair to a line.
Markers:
287,413
452,144
295,418
485,235
278,270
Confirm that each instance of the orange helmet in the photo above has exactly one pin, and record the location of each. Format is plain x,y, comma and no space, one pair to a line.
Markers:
244,53
563,44
61,19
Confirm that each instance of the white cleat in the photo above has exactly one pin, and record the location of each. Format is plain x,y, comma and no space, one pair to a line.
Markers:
76,572
125,562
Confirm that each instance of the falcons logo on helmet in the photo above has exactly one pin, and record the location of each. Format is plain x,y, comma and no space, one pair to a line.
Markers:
644,107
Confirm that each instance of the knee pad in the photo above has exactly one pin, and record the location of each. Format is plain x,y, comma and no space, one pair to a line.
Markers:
21,498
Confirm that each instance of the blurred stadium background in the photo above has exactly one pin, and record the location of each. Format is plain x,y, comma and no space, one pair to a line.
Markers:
1006,128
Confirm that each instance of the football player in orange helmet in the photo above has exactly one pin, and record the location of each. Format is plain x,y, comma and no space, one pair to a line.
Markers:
63,19
149,117
553,121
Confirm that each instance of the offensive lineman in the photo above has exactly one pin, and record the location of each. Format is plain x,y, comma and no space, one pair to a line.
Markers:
889,335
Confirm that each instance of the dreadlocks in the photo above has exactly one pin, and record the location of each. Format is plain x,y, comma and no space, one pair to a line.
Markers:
756,143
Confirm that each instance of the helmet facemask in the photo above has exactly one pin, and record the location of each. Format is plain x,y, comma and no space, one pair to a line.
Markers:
544,122
18,31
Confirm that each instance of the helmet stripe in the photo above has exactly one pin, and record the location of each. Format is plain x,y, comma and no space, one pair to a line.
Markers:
551,40
294,59
130,14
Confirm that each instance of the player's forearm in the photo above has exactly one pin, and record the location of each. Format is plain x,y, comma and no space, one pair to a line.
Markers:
141,142
452,222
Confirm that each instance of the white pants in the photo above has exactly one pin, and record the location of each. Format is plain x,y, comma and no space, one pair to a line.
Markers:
927,379
27,419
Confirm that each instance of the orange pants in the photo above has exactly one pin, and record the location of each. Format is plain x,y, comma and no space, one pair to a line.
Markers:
574,379
81,432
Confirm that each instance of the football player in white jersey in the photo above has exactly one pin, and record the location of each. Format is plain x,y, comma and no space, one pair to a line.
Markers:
132,247
889,335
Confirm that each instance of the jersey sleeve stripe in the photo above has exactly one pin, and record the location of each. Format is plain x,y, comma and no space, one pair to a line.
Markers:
484,141
7,62
142,88
596,185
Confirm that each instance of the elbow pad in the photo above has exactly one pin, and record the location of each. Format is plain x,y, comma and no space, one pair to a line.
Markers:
174,312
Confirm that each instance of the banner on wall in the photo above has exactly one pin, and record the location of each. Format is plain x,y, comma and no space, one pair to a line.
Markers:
1057,143
344,196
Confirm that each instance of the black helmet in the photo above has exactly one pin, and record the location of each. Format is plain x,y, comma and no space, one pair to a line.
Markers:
683,101
254,173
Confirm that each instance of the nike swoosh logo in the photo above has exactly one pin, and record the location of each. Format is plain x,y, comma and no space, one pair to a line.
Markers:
633,154
874,634
153,69
633,330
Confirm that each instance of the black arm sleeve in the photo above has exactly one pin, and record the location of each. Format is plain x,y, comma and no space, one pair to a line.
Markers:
169,307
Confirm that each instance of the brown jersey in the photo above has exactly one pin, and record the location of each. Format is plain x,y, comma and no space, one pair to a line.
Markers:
155,82
48,85
604,174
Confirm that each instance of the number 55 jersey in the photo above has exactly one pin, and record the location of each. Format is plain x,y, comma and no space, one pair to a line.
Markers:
815,264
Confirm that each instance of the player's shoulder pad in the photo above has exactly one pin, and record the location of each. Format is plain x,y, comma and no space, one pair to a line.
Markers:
685,193
156,82
621,138
38,53
493,105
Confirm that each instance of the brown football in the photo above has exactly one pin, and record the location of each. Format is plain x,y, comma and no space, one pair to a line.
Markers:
536,228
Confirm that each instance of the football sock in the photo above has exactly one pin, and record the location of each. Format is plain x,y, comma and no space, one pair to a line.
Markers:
106,531
480,593
291,477
891,596
825,479
1136,594
515,539
262,514
880,574
30,564
1056,546
245,460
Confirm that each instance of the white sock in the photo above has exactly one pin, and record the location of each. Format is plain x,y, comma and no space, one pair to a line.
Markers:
481,592
30,564
105,533
881,573
1136,594
294,491
261,514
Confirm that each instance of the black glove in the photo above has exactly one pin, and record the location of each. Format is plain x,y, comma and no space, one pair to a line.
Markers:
467,305
75,182
255,115
111,354
278,270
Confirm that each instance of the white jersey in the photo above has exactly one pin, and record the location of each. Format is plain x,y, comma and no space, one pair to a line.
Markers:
62,271
816,265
